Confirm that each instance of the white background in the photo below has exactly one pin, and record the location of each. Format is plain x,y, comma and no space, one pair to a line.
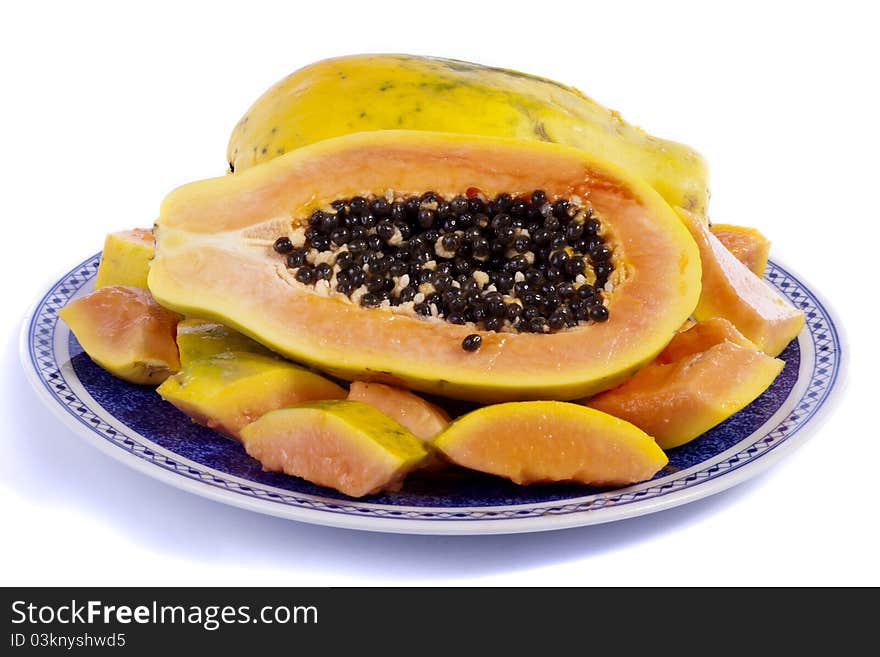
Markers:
105,107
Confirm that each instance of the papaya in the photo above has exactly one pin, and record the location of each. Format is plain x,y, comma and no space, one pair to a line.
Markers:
550,441
475,268
424,419
706,374
229,390
126,332
198,339
730,290
748,245
346,445
359,93
125,259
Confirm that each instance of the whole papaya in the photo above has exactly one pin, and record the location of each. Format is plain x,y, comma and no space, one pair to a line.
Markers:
361,93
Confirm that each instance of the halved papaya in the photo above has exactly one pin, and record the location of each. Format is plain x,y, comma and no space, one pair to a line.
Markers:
600,269
126,332
732,291
346,445
706,374
359,93
533,442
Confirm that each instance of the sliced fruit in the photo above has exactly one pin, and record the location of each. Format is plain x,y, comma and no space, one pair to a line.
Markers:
199,338
126,332
361,93
704,376
748,245
418,415
732,291
244,250
229,390
346,445
125,259
533,442
699,336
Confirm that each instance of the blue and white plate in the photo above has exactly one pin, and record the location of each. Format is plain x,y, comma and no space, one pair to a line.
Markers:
133,424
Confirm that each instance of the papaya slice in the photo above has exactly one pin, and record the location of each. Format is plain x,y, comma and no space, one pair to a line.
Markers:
125,259
424,419
198,339
346,445
748,245
229,390
706,374
548,441
126,332
361,93
732,291
218,245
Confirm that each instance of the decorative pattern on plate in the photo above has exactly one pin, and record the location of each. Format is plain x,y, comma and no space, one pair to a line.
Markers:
134,424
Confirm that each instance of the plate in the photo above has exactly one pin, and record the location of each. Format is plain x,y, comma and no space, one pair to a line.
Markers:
133,424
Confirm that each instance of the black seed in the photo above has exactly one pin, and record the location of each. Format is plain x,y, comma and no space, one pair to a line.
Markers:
565,290
344,287
431,236
370,299
518,207
305,274
379,265
340,236
594,301
425,276
554,274
496,308
472,342
385,230
406,294
412,206
475,205
296,258
323,271
316,219
442,282
358,245
357,276
539,197
427,217
329,222
573,232
591,227
458,205
444,267
503,202
283,245
600,253
457,304
338,205
559,258
357,231
537,324
357,204
398,211
560,209
397,269
598,313
603,270
455,318
503,281
522,244
480,247
444,211
586,291
542,236
513,311
344,259
556,321
574,266
533,278
321,242
430,197
374,242
493,323
450,224
422,308
551,223
380,206
517,263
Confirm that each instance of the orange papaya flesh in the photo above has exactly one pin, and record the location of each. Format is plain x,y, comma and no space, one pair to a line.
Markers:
126,332
706,374
748,245
215,259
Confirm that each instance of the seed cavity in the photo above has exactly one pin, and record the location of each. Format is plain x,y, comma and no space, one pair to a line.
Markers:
525,263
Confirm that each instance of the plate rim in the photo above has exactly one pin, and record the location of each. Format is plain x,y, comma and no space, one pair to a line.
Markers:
441,526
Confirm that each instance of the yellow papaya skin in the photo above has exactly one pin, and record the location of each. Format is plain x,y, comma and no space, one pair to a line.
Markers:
362,93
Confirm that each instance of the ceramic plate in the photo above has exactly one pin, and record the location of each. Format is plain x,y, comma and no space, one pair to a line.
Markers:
133,424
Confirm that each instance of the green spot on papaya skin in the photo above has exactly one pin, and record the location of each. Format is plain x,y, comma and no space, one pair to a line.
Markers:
541,131
386,86
362,115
